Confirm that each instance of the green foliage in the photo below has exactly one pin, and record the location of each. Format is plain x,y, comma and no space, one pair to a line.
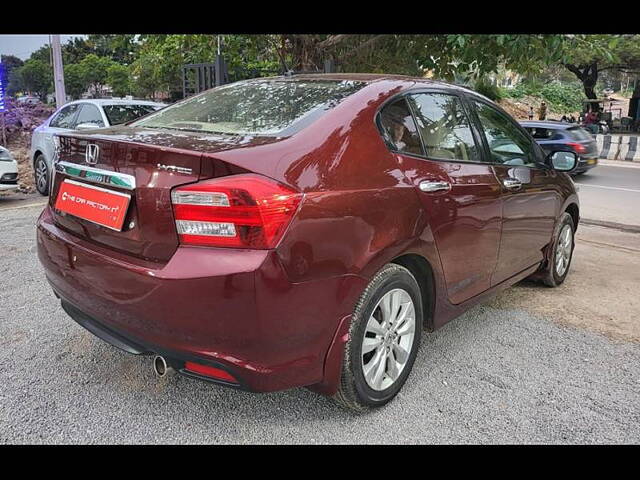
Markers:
36,76
74,81
485,87
561,97
119,79
93,70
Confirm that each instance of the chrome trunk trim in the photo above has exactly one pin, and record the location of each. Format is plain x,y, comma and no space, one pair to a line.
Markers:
96,175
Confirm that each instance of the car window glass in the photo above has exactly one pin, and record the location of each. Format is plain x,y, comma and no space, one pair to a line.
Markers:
123,113
398,128
64,119
540,133
269,107
579,133
89,114
444,127
507,144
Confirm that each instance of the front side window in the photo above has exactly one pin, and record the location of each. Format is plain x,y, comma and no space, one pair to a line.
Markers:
89,114
444,127
64,118
398,128
123,113
507,144
267,107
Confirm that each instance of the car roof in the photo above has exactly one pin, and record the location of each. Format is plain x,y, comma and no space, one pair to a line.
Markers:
366,78
115,101
548,124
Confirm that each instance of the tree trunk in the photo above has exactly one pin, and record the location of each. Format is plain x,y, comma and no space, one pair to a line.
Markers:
588,75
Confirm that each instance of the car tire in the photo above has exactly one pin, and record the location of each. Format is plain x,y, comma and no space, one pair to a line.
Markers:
382,316
562,247
41,175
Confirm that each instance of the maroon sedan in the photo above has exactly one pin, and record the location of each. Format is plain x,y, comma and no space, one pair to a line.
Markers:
304,230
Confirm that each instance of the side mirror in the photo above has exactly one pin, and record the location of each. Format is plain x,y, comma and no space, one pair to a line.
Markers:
87,126
563,161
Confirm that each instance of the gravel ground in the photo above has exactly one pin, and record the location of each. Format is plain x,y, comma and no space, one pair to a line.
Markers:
495,375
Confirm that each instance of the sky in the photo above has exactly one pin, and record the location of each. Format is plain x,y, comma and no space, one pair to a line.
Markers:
22,46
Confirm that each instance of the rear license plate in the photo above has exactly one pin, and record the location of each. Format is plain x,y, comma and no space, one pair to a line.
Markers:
591,161
98,205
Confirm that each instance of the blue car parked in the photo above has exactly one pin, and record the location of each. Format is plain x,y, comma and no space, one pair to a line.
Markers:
553,136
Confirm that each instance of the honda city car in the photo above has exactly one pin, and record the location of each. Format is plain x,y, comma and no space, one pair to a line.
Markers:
303,230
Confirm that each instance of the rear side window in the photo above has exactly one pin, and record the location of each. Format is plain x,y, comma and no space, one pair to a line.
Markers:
579,133
119,114
64,118
444,127
398,128
89,114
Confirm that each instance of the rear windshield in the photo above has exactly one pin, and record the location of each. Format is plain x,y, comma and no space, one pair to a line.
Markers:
276,107
118,114
579,133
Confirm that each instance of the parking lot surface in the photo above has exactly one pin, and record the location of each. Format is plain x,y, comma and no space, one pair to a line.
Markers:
501,373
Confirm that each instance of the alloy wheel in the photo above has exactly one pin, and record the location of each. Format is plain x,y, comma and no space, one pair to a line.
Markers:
388,339
563,250
41,176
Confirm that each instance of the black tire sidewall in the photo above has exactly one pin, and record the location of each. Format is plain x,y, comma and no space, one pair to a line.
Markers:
397,279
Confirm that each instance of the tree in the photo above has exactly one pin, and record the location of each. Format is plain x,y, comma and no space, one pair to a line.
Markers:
74,80
586,56
10,62
75,50
121,48
119,79
12,76
36,77
94,72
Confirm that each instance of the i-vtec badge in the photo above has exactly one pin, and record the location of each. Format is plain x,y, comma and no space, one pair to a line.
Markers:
91,154
173,168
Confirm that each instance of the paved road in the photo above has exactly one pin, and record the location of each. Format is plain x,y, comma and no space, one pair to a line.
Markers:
498,374
611,194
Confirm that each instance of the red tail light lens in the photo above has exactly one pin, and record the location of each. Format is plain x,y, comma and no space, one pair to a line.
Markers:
242,211
208,371
577,147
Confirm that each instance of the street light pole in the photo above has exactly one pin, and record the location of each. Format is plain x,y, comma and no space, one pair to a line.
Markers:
58,71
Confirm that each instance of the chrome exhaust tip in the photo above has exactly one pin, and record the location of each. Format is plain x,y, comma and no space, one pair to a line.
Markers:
160,367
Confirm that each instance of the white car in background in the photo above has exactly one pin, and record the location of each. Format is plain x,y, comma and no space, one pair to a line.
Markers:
8,170
80,115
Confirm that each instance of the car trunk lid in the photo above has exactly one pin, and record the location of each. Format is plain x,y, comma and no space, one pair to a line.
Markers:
143,164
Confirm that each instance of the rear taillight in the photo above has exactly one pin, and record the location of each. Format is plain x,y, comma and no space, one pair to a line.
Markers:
577,147
242,211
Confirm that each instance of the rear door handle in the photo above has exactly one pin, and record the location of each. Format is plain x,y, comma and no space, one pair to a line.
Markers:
512,183
429,187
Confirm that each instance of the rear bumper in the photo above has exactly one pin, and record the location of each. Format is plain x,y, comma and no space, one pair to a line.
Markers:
586,163
233,309
139,347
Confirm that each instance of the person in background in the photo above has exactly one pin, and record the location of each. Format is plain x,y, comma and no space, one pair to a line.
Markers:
572,119
531,113
564,119
590,122
542,112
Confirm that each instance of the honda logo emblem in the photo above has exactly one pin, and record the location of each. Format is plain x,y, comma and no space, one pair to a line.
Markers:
91,154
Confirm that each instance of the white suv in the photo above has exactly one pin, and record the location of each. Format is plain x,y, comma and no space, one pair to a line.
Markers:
79,115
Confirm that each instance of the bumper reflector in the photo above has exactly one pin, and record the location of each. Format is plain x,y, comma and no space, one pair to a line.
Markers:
208,371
